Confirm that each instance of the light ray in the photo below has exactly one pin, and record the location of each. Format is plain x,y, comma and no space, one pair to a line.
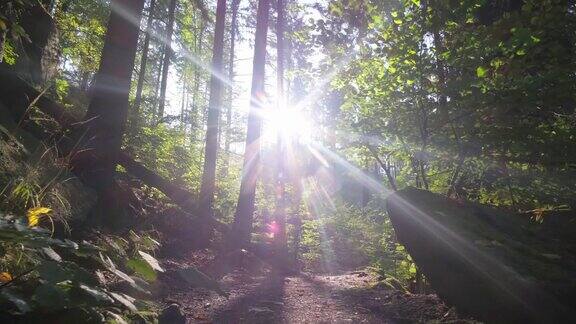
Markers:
311,187
503,277
120,10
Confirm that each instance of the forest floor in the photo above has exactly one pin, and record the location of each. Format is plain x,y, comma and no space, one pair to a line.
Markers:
348,297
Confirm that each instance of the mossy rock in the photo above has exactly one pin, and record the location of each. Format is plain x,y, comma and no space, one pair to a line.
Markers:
494,265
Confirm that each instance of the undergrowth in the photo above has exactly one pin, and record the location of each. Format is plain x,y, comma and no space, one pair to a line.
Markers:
90,282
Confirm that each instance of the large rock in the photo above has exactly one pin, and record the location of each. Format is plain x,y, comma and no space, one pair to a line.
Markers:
493,265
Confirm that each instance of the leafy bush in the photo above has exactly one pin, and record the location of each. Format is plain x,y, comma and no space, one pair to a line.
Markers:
350,237
44,277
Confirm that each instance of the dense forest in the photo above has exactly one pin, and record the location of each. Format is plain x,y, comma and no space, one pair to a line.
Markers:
287,161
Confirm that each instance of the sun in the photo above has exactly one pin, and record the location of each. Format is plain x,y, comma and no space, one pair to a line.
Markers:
289,123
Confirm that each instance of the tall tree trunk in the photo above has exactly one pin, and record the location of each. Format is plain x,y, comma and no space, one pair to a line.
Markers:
143,62
280,213
184,96
167,58
158,79
244,210
208,185
233,31
440,66
3,34
197,71
108,108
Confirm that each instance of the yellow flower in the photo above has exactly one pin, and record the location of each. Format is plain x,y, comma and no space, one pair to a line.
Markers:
34,215
5,277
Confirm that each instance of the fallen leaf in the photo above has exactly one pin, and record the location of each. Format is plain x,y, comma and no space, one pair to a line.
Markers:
5,277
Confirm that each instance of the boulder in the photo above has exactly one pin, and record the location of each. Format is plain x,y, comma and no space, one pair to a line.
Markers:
172,315
491,264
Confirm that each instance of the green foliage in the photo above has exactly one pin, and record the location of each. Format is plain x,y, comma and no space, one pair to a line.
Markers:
351,237
10,29
82,28
61,87
504,125
54,276
10,55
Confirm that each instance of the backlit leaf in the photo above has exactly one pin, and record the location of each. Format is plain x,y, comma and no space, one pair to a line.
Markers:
142,268
151,260
50,253
480,72
34,215
124,300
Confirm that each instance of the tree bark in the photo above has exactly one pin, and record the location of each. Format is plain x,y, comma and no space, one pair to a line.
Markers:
280,213
158,79
108,108
384,166
3,34
208,185
233,31
183,102
195,96
167,58
244,210
143,62
440,66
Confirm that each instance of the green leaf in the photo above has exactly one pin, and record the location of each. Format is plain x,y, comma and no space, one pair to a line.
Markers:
20,303
51,254
123,276
115,319
481,72
97,294
57,272
142,268
125,300
52,272
151,260
50,297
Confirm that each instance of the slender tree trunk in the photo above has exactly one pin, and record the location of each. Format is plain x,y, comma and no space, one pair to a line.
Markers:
143,62
245,209
386,167
208,185
3,34
167,58
195,95
280,213
440,66
158,79
108,108
233,31
183,102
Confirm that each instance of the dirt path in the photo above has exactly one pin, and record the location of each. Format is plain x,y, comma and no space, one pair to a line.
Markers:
322,299
344,298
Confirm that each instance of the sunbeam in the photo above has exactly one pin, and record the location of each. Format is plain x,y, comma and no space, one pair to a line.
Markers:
168,42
